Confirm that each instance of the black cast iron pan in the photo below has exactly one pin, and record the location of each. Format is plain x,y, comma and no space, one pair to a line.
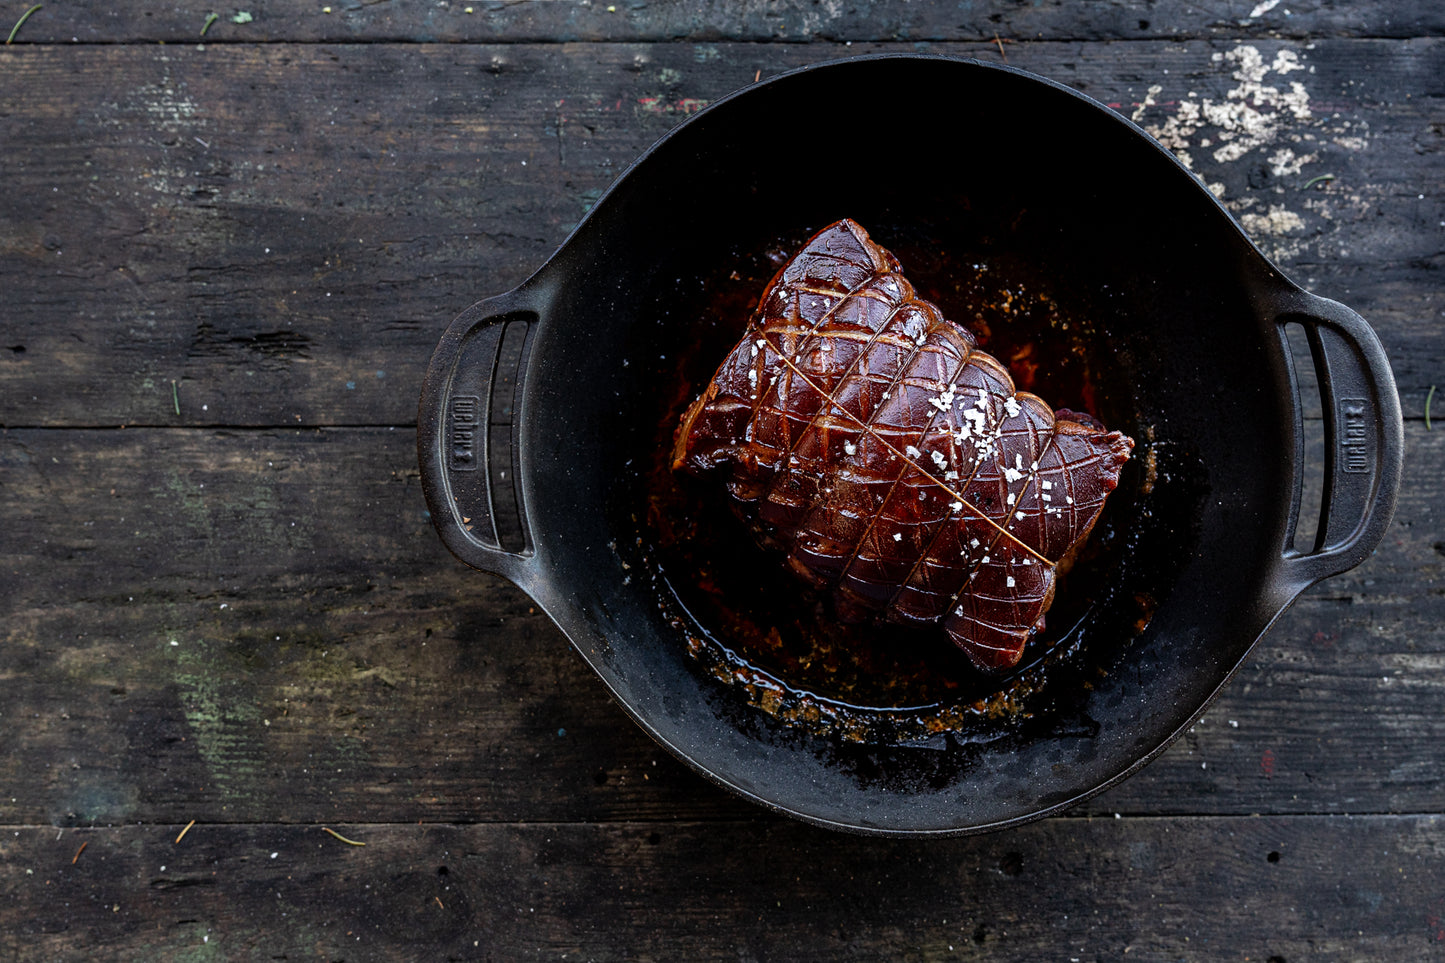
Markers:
544,408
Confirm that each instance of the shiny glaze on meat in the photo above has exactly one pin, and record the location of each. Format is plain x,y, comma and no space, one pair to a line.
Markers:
893,462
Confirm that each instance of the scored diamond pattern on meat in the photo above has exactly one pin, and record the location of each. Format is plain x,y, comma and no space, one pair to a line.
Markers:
891,460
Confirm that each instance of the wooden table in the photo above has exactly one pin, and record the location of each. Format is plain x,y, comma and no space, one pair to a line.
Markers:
228,245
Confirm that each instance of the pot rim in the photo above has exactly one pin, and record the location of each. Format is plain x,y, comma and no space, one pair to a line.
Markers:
1357,348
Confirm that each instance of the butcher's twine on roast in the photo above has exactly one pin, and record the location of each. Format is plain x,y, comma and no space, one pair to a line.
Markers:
893,462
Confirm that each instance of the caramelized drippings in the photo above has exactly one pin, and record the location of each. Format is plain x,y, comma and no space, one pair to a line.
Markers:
781,647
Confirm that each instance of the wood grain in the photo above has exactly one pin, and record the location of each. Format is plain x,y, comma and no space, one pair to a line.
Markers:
277,646
710,21
276,235
759,889
221,600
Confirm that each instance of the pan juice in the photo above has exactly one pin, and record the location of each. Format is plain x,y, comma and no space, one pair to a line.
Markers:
765,635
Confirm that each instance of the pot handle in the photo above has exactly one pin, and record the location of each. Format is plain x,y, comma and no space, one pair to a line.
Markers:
467,435
1364,439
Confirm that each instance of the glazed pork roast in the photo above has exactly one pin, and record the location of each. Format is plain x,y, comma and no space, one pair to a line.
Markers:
892,462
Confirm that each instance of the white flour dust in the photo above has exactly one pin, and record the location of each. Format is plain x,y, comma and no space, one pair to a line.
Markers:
1266,120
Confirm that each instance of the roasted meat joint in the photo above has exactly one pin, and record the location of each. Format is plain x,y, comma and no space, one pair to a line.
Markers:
890,461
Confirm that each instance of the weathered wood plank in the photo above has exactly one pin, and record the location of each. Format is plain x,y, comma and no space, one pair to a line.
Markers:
275,235
262,626
791,21
254,627
197,621
1321,889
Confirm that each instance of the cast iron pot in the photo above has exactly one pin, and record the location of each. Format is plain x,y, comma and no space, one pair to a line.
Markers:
540,413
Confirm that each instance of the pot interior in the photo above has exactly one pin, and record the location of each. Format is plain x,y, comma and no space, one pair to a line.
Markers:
1085,259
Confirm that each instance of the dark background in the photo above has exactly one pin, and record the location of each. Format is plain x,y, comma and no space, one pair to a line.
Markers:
224,262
